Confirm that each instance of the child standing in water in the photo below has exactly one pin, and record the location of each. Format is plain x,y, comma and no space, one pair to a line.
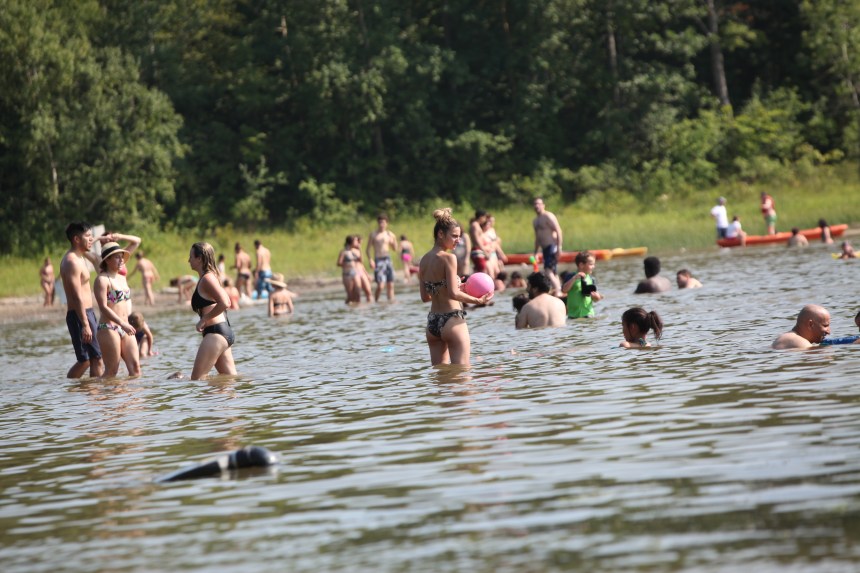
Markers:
580,288
142,333
635,323
406,251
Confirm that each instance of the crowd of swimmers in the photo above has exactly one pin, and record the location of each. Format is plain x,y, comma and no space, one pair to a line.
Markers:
550,299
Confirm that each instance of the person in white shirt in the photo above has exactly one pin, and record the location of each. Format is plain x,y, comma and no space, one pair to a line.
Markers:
718,212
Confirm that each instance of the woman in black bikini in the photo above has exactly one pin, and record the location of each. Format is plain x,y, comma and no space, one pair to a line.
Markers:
210,301
447,333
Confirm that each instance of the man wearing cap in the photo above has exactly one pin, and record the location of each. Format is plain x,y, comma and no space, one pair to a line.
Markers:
80,318
719,213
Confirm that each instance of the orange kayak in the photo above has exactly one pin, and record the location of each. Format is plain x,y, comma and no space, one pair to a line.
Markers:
811,234
569,256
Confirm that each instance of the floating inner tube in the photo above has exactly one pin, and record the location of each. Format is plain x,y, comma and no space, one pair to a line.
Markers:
247,457
843,340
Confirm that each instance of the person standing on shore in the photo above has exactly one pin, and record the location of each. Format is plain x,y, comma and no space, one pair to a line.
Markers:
243,271
80,318
768,211
263,272
718,212
46,280
548,241
116,336
447,333
149,275
210,301
383,242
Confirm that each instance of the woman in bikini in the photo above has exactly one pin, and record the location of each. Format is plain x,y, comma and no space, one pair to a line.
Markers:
115,335
210,301
447,333
347,261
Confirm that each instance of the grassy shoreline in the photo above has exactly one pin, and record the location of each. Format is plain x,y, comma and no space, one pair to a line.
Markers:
607,220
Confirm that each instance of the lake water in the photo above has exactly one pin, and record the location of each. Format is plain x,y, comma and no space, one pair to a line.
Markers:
556,451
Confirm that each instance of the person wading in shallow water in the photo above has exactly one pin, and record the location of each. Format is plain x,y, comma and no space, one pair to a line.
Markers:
210,301
447,333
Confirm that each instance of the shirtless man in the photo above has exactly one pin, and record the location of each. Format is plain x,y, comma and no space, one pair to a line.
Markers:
685,279
548,240
263,270
797,240
383,242
80,318
46,279
654,282
812,326
243,271
149,274
543,309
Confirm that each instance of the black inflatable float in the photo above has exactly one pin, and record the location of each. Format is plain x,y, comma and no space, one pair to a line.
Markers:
247,457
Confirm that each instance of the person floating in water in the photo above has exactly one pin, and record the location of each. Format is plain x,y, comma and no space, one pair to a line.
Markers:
811,327
636,323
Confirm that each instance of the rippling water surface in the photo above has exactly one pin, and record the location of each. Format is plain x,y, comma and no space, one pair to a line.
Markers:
557,450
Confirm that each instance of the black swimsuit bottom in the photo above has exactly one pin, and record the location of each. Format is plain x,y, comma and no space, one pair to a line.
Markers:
222,328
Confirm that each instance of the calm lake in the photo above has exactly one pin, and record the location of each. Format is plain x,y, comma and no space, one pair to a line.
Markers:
556,451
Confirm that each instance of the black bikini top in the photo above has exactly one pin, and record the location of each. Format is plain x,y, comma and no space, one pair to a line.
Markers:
198,302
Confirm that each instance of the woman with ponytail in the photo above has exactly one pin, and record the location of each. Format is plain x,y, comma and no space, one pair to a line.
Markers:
447,333
210,301
636,323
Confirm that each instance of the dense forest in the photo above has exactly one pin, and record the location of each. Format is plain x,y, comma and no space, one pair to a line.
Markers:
259,113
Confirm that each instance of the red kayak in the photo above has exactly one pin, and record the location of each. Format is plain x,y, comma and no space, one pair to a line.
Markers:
811,234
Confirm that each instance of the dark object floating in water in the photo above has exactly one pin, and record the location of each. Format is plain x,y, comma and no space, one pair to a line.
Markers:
247,457
843,340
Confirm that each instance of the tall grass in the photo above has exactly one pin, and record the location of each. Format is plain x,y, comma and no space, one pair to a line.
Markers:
602,221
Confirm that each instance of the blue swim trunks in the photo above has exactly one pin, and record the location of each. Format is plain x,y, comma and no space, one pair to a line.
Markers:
262,283
83,351
550,257
384,271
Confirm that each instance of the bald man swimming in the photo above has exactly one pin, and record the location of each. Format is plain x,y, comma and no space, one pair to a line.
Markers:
812,326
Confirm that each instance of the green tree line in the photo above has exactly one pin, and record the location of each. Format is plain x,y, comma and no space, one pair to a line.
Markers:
261,113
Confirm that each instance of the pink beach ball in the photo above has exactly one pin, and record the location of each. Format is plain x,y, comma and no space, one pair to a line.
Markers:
479,284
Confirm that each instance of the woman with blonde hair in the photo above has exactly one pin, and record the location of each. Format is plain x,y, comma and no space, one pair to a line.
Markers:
447,333
210,301
115,334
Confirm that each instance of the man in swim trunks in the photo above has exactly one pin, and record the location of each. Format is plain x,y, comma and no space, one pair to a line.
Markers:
768,212
548,241
243,271
811,327
80,318
383,241
543,309
263,272
654,281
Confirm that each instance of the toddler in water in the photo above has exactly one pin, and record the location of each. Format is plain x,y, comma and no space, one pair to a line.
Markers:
635,323
142,333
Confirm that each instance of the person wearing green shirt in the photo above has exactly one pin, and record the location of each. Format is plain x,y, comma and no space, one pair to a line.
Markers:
580,288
